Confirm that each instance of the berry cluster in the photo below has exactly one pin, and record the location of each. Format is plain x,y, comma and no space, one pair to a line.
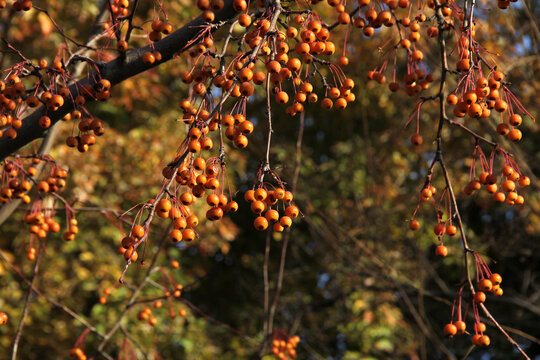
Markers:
263,200
19,178
511,177
284,346
14,101
147,314
486,281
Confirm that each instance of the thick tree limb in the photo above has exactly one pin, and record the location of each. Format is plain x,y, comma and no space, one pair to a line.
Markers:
116,71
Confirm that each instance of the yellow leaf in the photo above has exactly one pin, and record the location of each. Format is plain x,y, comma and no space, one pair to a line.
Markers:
45,24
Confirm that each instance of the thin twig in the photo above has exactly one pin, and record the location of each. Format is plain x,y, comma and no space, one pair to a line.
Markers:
287,234
266,291
20,328
133,297
48,299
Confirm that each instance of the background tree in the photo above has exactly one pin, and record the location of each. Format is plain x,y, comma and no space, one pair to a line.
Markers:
350,279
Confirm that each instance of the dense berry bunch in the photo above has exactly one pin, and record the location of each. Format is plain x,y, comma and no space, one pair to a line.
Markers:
284,346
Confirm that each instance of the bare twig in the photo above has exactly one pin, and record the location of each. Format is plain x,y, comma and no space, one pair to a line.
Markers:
48,299
20,328
287,234
133,296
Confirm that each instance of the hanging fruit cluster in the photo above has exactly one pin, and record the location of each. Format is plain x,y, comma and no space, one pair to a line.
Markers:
147,313
194,177
486,281
510,178
15,101
477,95
19,178
266,204
284,346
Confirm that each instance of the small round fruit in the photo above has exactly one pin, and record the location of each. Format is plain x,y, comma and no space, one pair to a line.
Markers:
188,235
417,140
260,223
292,211
414,225
175,236
450,330
496,279
3,318
137,231
285,221
480,327
485,285
451,230
441,251
479,297
131,255
484,341
460,326
260,194
439,229
515,135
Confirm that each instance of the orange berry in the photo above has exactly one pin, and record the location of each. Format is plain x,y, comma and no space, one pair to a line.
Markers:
460,326
496,279
485,285
175,235
450,330
416,139
524,181
188,235
292,211
515,135
260,194
285,221
441,251
479,297
451,230
479,327
439,229
260,223
148,58
414,225
515,120
484,341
